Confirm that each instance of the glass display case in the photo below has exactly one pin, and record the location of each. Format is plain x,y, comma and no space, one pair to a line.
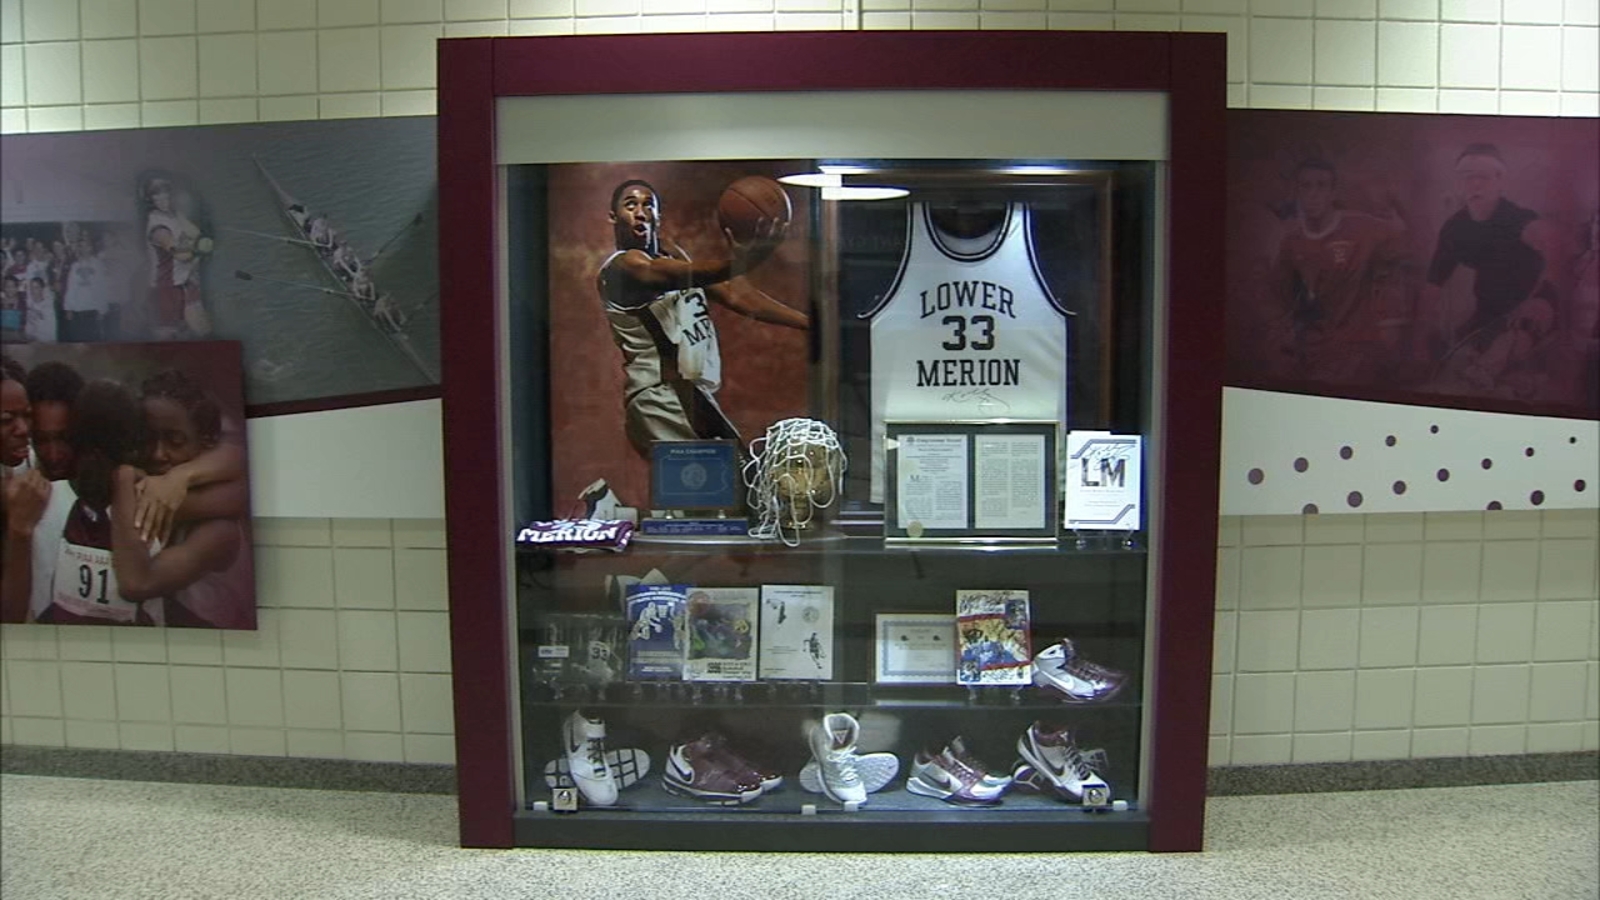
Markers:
826,470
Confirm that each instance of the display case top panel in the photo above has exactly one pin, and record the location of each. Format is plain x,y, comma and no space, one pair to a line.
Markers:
1127,125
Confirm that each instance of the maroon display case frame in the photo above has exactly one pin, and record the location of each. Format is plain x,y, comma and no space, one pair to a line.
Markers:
1189,68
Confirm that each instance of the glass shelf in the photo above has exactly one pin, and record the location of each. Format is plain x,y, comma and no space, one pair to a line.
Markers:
1066,546
816,695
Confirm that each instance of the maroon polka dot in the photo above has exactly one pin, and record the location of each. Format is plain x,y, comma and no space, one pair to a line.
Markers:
1536,498
1399,488
1433,428
1389,440
1345,452
1528,451
1579,485
1256,476
1310,509
1494,504
1572,440
1301,464
1488,463
1444,475
1354,499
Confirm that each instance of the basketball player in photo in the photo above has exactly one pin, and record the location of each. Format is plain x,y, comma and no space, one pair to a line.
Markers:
968,329
1335,284
657,301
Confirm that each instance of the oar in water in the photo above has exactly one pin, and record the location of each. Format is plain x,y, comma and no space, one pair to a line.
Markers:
275,237
415,221
242,275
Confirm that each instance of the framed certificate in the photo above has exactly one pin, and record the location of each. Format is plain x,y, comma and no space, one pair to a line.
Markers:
915,648
970,480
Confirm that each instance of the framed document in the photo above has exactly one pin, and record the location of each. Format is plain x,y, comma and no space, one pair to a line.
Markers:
915,648
970,480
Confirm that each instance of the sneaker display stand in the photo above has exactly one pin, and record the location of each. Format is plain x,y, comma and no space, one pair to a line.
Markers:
1084,725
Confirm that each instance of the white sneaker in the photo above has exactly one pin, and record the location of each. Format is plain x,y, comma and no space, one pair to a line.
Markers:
833,746
584,742
877,770
1056,758
1060,668
627,766
599,501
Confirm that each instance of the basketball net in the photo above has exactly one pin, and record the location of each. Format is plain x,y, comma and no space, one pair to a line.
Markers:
795,469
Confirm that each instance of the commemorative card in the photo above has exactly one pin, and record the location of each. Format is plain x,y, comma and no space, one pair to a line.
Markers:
992,631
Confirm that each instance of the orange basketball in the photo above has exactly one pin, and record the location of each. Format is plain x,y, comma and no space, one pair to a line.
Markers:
749,200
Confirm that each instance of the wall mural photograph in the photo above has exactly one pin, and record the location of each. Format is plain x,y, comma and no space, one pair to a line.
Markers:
313,243
1448,260
126,485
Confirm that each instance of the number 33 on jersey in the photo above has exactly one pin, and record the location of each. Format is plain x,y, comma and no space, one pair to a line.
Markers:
967,330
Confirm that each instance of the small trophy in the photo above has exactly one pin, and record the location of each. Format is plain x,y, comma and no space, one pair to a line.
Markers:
694,489
796,471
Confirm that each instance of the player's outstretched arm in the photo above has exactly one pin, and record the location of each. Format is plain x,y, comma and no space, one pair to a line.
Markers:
746,299
209,546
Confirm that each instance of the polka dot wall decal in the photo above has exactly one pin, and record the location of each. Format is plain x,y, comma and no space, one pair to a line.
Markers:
1301,464
1256,476
1536,498
1310,509
1572,440
1399,488
1579,485
1488,463
1345,452
1433,429
1527,451
1493,504
1444,475
1389,440
1354,499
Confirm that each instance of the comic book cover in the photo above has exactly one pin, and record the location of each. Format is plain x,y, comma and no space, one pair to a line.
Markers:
797,632
722,625
992,638
656,631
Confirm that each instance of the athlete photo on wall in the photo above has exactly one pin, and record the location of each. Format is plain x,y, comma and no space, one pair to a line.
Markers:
125,485
1416,258
678,309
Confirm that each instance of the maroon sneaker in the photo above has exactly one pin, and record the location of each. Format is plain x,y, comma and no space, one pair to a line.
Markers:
698,769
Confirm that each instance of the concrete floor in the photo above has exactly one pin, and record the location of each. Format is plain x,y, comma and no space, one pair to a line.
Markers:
64,839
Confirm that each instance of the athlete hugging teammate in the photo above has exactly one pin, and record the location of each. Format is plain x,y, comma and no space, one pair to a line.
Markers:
655,299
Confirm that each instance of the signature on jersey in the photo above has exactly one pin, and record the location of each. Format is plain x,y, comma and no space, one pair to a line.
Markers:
983,397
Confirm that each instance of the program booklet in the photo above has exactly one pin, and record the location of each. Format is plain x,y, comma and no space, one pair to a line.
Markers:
797,632
656,631
992,638
722,625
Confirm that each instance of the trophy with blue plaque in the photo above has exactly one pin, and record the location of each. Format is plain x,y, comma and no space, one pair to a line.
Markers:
695,489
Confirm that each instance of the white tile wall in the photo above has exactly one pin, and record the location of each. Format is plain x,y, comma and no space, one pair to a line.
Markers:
326,676
1473,663
348,58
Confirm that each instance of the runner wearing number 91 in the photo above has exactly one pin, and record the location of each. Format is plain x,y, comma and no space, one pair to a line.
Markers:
59,552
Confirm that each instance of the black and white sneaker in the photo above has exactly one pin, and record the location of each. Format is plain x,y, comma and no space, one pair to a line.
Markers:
584,743
628,766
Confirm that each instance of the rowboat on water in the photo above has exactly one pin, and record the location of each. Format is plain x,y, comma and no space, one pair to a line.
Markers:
318,236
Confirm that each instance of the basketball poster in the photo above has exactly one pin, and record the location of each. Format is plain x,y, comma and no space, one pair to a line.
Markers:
129,477
635,356
1423,259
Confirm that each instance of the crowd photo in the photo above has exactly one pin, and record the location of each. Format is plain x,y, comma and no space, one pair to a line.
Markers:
125,486
102,281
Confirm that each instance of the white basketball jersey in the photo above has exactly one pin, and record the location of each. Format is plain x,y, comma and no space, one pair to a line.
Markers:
968,330
672,331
